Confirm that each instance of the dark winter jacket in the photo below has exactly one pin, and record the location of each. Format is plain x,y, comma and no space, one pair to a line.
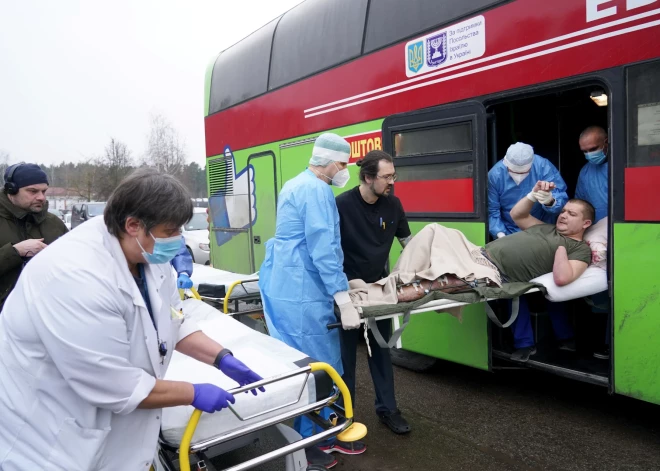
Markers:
17,225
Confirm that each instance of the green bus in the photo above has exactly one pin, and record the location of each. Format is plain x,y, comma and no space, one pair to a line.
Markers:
457,82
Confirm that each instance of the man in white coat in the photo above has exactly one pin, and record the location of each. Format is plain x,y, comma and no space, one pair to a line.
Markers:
87,335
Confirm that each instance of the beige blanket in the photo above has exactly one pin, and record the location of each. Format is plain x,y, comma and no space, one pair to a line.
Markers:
433,252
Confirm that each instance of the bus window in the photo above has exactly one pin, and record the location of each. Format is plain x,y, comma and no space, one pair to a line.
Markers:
314,36
643,166
441,140
392,20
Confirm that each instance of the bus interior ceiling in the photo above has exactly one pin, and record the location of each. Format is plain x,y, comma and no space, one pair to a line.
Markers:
551,123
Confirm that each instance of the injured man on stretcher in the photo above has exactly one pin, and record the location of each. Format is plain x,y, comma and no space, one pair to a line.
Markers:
442,259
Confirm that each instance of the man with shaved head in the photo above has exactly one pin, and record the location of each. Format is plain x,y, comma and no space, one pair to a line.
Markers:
592,183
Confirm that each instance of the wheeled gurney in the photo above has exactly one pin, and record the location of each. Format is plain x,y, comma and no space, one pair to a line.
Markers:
233,293
295,385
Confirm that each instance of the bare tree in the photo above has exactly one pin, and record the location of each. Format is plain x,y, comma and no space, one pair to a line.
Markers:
165,150
117,163
86,180
4,163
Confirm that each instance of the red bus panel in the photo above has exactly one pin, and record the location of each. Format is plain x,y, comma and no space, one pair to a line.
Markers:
641,184
437,196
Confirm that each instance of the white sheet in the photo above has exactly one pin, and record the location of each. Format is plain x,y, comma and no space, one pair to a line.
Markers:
265,355
204,274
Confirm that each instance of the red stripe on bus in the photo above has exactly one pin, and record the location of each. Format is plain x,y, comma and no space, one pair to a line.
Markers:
436,196
641,187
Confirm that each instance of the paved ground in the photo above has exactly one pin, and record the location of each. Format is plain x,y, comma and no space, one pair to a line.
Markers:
465,419
469,420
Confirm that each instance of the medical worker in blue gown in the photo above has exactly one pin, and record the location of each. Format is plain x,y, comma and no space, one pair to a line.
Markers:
183,265
593,187
510,180
303,273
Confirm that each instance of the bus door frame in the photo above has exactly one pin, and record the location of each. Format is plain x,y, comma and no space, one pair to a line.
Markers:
259,155
613,82
461,112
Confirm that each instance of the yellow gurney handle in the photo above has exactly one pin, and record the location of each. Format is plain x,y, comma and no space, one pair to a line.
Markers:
184,448
193,291
225,303
354,432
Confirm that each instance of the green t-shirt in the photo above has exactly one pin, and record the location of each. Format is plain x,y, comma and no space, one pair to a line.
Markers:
527,254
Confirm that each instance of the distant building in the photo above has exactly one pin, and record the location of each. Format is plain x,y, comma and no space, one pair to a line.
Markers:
62,198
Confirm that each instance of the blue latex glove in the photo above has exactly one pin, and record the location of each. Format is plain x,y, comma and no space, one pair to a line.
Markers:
184,282
210,398
240,373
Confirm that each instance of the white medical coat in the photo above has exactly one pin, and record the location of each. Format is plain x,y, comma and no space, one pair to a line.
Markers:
79,352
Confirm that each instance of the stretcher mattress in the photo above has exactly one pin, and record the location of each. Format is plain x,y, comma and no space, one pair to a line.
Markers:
209,276
592,281
263,354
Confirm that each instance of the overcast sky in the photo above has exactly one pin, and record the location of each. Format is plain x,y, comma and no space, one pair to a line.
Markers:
73,73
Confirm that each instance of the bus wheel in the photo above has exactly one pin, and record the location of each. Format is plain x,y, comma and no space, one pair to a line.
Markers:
411,360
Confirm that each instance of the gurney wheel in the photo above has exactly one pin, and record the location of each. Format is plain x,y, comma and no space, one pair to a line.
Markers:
355,432
411,360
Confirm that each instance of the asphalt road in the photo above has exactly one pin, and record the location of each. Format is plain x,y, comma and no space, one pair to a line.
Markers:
465,419
469,420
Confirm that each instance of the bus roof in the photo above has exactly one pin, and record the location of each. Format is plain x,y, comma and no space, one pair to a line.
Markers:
319,34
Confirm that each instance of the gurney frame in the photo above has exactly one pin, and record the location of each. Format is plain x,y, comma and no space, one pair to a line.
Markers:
348,430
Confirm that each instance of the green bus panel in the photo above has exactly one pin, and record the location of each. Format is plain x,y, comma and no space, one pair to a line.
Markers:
265,192
442,335
637,311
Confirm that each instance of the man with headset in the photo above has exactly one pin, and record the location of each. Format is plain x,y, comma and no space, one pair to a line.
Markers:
26,226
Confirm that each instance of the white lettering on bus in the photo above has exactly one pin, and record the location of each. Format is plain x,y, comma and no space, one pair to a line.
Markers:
594,14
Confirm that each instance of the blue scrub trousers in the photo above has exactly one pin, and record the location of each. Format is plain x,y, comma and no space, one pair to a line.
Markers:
599,299
523,335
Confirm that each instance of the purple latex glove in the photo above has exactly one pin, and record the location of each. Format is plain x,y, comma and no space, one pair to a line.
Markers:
210,398
240,373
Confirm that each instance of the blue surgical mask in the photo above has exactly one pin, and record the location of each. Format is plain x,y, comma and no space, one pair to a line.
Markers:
596,157
165,249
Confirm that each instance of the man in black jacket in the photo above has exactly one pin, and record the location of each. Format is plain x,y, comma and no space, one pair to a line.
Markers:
26,226
369,220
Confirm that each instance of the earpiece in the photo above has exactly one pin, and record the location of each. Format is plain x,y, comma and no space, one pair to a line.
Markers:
10,186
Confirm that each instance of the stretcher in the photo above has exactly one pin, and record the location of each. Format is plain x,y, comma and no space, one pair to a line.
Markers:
592,281
295,386
244,287
233,293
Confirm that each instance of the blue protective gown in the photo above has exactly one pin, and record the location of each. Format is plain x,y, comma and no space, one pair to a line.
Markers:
503,194
303,269
592,186
183,262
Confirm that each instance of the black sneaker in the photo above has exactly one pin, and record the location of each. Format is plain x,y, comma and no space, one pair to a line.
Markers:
316,457
603,354
395,422
567,345
522,354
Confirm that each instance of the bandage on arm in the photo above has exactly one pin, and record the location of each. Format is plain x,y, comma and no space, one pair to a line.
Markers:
521,213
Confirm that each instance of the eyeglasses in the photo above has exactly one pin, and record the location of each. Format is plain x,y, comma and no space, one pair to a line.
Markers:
392,177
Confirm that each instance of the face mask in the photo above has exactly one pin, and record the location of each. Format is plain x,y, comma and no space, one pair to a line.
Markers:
596,157
341,177
518,177
165,249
